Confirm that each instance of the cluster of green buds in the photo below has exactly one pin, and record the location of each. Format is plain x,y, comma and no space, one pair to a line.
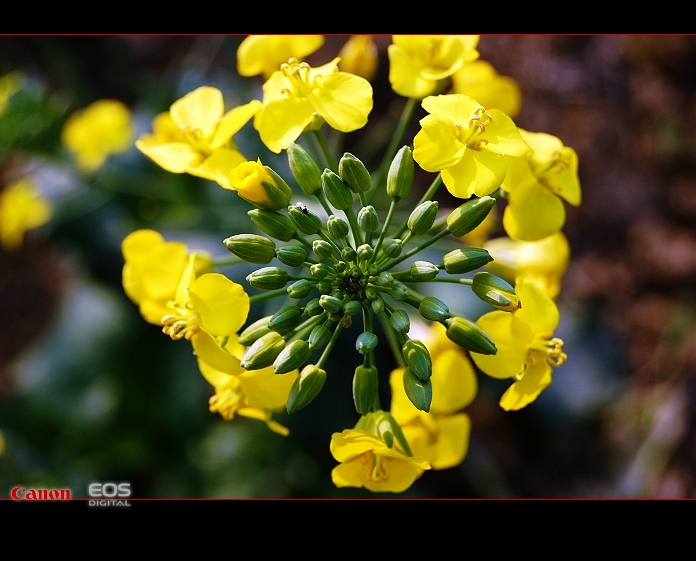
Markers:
355,267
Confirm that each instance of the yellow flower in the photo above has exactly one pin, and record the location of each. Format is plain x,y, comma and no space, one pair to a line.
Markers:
527,349
418,63
103,128
2,444
260,186
537,186
295,95
256,394
441,436
367,461
544,261
10,84
195,136
153,269
359,56
466,143
21,208
480,81
263,54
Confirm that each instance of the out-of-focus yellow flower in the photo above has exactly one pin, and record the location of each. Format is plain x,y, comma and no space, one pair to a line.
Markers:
94,133
367,461
537,185
256,394
2,444
419,63
440,436
544,261
298,96
258,185
465,142
196,135
527,349
263,54
152,270
359,56
21,208
480,81
10,84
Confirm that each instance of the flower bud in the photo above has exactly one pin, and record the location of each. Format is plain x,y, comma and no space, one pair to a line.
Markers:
433,309
263,351
291,255
418,358
336,191
466,217
330,303
422,218
366,342
260,185
372,270
293,356
365,252
319,337
354,173
469,336
304,169
268,278
251,247
351,308
496,292
338,228
377,305
322,249
368,219
385,278
254,331
392,248
399,291
304,219
400,321
285,319
466,260
313,308
273,223
423,271
300,289
306,387
419,392
325,286
320,270
365,386
348,254
400,176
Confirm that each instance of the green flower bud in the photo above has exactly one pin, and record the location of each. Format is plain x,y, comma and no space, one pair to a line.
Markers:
433,309
304,169
365,386
330,303
336,191
385,278
306,220
300,289
273,223
268,278
313,308
400,176
354,173
263,351
285,319
351,308
338,228
320,270
251,247
399,291
365,252
418,358
371,292
291,255
372,270
325,286
322,249
465,218
348,254
419,392
392,248
423,271
422,218
340,267
366,342
368,219
496,292
466,260
293,356
377,305
254,331
306,387
400,321
469,336
260,185
319,337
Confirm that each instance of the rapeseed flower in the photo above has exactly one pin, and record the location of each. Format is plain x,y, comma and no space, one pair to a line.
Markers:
466,143
263,54
260,185
480,81
527,348
359,56
22,208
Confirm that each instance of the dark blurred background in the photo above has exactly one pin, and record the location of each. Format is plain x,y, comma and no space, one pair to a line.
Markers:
91,392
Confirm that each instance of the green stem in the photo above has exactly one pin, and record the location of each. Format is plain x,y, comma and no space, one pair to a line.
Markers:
331,163
256,298
353,221
434,186
390,215
224,261
329,347
415,250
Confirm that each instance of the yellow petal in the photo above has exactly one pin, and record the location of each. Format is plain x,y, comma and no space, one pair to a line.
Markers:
174,157
216,358
533,213
405,77
233,121
218,165
503,137
281,122
343,100
263,54
453,381
266,389
222,304
448,447
199,110
538,310
477,173
512,338
535,379
435,147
